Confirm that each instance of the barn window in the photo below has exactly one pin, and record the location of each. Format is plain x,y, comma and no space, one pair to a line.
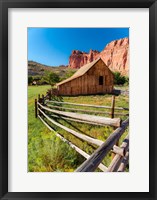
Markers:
101,80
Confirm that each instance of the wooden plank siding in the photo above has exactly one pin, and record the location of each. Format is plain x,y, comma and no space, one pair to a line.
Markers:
89,82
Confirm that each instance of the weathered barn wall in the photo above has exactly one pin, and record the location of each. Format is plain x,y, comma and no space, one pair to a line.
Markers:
89,82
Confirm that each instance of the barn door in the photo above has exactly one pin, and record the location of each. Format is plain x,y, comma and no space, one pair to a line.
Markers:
101,80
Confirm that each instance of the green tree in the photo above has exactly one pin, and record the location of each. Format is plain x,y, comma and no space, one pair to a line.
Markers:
69,73
119,79
52,78
30,79
126,80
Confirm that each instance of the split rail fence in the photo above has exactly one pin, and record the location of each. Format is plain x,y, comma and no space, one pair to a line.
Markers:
47,110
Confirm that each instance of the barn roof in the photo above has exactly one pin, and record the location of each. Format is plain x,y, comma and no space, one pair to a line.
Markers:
80,71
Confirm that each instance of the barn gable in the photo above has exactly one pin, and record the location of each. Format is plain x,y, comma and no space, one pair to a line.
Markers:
80,72
102,66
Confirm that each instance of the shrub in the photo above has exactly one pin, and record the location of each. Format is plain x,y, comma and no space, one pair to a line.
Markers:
52,78
119,79
126,80
42,81
51,154
68,74
30,79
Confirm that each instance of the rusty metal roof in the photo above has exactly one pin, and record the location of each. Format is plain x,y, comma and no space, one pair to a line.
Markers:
80,71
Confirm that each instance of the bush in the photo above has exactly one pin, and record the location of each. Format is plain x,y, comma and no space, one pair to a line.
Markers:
42,82
68,74
52,78
126,80
30,79
49,154
119,79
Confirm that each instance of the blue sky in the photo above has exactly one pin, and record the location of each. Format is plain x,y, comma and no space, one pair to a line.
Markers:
53,46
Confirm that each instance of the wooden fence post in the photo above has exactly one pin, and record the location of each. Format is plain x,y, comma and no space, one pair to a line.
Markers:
112,116
39,98
39,101
112,106
43,100
49,96
36,108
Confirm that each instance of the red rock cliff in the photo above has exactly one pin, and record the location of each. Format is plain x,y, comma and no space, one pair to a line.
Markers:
115,55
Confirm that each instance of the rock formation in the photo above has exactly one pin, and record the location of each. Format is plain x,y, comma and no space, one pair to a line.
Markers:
80,58
115,55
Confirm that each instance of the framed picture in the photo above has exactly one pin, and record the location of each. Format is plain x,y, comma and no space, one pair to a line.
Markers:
78,99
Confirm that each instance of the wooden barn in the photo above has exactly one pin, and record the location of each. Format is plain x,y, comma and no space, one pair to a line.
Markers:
92,78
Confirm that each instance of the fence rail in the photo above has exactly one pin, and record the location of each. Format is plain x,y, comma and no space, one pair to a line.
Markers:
114,165
90,118
87,105
88,111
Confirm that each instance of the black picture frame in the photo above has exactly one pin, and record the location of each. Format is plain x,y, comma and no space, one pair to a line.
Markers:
4,5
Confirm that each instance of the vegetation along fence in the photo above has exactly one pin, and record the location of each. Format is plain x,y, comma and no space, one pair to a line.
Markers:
47,110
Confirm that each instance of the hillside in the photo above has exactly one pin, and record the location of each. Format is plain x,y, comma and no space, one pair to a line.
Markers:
37,69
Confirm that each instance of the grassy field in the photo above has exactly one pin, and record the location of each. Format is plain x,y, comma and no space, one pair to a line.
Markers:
48,153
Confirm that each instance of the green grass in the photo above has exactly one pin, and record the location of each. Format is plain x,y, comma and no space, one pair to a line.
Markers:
46,152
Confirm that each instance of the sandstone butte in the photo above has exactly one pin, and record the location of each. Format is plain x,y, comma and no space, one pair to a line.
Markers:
115,55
